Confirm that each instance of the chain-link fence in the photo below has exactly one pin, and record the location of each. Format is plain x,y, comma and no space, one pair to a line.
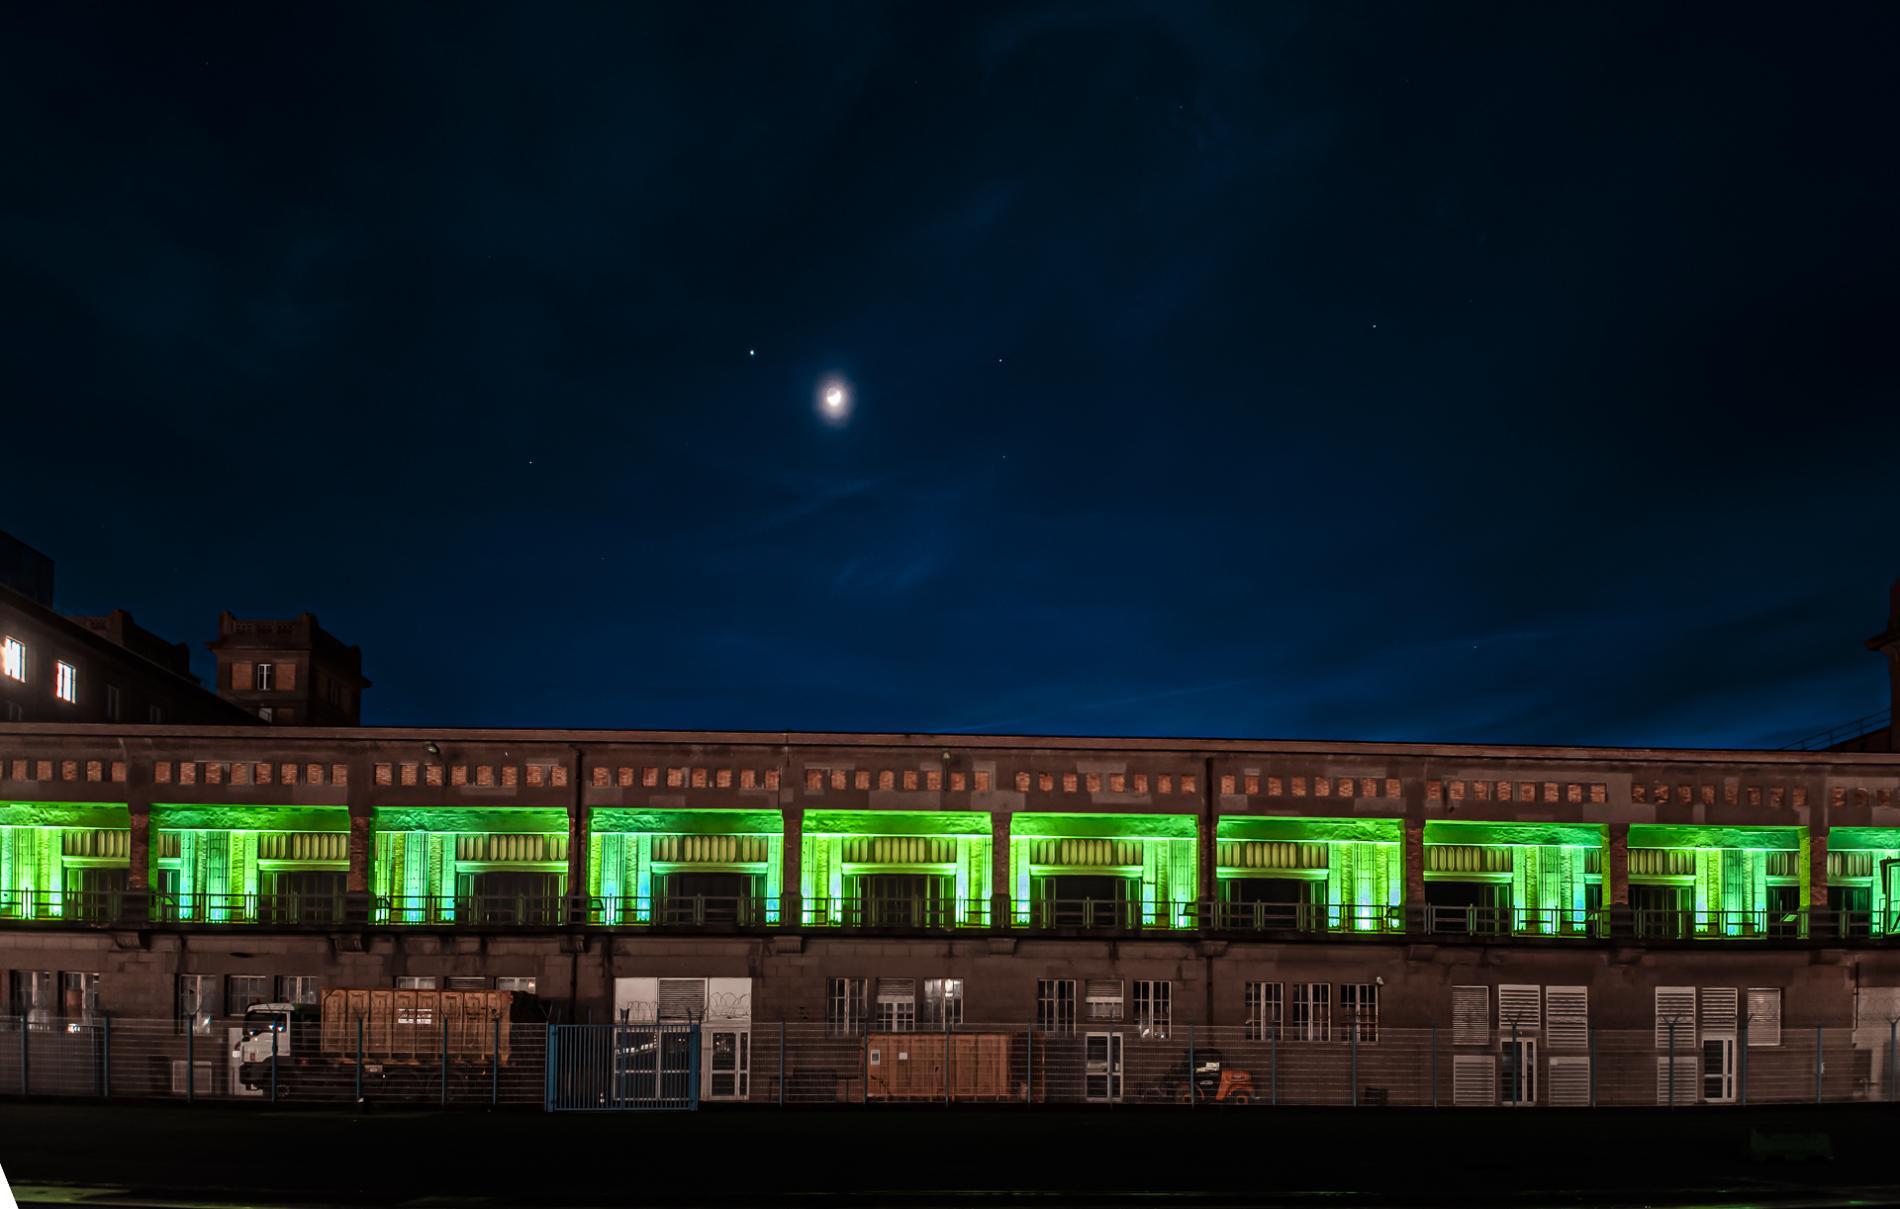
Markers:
224,1059
802,1063
1201,1066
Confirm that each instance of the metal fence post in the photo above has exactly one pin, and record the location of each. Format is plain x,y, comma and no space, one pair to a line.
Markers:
105,1057
1818,1064
781,1062
1513,1067
864,1068
1434,1064
191,1065
23,1053
445,1053
1194,1091
494,1066
1273,1068
1029,1065
692,1067
946,1054
1672,1064
1741,1075
359,1059
1590,1036
273,1061
1352,1023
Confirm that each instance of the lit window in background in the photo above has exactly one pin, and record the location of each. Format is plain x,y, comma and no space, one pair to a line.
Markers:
13,658
66,682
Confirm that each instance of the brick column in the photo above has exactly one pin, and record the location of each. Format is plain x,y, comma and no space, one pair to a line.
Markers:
138,808
791,886
1616,871
1000,889
1208,835
577,887
362,824
1814,869
1414,868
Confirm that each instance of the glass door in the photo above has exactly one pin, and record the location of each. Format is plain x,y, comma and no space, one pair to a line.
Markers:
728,1063
1517,1072
1102,1068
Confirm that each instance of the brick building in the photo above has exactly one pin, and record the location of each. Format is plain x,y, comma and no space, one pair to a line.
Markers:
827,880
56,668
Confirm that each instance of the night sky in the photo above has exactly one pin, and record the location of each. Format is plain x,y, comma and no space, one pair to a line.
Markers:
1410,371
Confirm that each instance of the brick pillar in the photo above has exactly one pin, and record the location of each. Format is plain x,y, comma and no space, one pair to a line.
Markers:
577,887
1208,835
138,808
1000,889
1814,869
791,887
1414,868
1616,873
361,784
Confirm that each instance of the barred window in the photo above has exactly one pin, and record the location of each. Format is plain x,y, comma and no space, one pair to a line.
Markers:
1266,1006
243,990
1359,1010
845,1006
197,1002
1055,1005
943,1002
1312,1011
297,988
896,1005
1153,1003
1102,1001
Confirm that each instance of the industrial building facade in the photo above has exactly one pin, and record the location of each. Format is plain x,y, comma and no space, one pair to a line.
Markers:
1314,893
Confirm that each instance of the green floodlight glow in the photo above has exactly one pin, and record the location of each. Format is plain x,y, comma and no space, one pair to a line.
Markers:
840,848
418,855
216,851
1549,867
42,843
1364,863
1159,851
624,846
1729,885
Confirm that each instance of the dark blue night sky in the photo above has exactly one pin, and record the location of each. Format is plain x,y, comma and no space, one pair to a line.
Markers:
1413,371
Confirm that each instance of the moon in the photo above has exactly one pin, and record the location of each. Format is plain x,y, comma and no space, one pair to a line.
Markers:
834,400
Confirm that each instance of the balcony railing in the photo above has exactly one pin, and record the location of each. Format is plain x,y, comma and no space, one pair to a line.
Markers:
1060,916
271,909
69,906
1511,921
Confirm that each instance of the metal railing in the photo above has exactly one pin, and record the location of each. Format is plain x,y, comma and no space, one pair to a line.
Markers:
1841,732
1511,921
1314,1058
927,915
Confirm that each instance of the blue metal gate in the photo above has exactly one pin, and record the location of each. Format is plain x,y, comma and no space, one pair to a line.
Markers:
620,1067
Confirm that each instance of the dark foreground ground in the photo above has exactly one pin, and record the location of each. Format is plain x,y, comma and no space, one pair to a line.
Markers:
134,1154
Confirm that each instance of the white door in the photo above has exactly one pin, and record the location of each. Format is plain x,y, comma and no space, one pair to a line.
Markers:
1517,1072
727,1061
1102,1067
1718,1069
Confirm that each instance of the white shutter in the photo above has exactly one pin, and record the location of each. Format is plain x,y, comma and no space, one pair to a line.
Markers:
682,998
1471,1016
1474,1080
1567,1014
1718,1011
1764,1016
1569,1085
1675,1005
1519,1009
1687,1090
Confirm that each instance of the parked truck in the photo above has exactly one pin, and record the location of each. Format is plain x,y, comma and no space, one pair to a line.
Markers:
392,1044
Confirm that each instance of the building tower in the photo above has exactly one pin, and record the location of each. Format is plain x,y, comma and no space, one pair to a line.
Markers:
289,673
1888,644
